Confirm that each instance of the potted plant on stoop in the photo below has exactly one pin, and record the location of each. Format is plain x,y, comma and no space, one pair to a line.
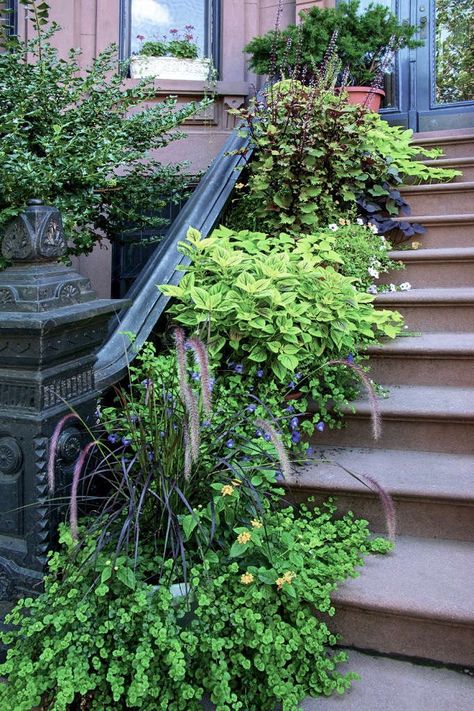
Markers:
366,41
173,57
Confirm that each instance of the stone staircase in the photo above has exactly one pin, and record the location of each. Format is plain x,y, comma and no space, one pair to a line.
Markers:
417,602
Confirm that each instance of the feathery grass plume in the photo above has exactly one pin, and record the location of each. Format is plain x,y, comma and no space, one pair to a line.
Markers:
53,447
200,354
75,485
187,395
375,416
387,503
193,423
180,340
385,498
187,453
279,446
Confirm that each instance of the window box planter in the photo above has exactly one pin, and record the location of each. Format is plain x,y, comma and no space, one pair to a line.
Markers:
169,68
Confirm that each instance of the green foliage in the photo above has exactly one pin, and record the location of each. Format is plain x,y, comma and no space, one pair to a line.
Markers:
102,637
454,51
176,45
395,144
315,155
79,139
362,43
273,301
364,253
159,454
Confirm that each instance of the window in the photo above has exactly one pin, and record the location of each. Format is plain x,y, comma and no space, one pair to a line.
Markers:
152,19
8,15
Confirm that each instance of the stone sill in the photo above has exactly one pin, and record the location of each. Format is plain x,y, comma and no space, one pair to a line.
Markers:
198,88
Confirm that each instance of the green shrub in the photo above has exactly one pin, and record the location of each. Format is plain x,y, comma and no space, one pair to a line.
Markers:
78,138
362,42
102,637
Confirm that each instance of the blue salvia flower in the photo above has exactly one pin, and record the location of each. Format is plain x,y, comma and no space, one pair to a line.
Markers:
259,373
195,376
239,368
290,408
112,438
320,426
267,437
294,423
126,441
230,443
295,436
251,408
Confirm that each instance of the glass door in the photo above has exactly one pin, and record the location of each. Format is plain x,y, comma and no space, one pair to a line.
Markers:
433,86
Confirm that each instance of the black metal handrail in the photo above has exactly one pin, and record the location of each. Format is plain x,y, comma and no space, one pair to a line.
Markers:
201,211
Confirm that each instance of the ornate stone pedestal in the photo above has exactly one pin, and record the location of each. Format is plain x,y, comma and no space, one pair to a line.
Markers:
51,326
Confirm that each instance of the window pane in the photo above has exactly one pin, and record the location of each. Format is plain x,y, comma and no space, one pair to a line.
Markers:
154,18
454,50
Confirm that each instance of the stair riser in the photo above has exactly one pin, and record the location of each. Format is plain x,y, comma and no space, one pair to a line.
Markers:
426,274
407,636
444,235
432,202
451,436
411,370
432,318
461,149
414,517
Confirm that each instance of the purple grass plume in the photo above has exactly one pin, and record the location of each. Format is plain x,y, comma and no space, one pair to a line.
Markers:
75,485
278,444
386,501
53,448
375,415
187,454
200,354
187,395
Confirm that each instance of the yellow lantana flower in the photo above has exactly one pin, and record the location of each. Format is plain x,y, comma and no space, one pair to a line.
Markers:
244,537
227,490
256,524
287,577
247,578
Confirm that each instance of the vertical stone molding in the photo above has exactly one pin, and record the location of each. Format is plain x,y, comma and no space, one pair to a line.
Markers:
51,327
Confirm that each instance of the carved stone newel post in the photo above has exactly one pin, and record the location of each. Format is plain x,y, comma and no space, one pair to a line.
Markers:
51,326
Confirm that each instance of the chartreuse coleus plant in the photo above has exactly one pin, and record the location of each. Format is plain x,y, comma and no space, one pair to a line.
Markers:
278,307
248,634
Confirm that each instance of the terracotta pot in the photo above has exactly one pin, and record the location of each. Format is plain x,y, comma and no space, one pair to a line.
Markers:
370,98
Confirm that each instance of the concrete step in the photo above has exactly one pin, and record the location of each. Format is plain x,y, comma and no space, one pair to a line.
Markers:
446,358
433,493
388,684
439,198
425,268
416,602
424,418
441,231
433,310
465,165
455,143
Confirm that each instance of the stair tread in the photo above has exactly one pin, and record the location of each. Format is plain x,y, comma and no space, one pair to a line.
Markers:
400,472
448,135
435,254
463,294
439,219
437,187
448,162
423,401
428,344
421,577
388,684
